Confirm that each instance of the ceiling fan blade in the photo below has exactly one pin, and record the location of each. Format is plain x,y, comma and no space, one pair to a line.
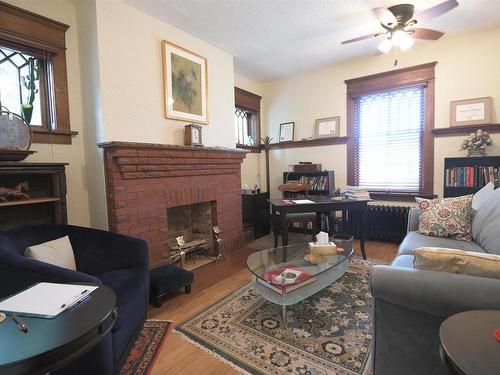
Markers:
435,11
385,16
361,38
426,34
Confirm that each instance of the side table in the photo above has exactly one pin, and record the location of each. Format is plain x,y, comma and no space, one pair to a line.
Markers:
52,343
468,344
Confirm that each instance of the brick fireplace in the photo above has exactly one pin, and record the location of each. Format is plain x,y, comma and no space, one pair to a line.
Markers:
145,180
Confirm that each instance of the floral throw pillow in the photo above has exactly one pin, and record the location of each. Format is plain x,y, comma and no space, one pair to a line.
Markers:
448,217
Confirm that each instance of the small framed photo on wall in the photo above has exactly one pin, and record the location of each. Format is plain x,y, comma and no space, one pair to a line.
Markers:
327,127
286,131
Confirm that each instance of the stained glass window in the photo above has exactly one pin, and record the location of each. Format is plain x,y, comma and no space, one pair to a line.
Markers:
245,127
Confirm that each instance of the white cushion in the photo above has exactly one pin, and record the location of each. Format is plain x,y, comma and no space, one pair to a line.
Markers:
57,252
482,196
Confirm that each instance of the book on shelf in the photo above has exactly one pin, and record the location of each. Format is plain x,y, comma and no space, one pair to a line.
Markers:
471,177
273,279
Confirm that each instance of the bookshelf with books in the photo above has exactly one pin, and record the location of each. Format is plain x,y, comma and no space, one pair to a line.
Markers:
468,175
323,182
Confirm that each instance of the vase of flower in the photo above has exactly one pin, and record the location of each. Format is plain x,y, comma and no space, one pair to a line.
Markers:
476,143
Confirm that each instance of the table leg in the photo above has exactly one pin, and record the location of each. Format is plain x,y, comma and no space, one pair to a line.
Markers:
284,229
364,214
283,316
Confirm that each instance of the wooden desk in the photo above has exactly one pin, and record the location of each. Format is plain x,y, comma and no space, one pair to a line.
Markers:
321,205
52,343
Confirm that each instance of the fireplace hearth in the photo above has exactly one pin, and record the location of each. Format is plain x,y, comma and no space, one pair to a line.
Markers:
147,183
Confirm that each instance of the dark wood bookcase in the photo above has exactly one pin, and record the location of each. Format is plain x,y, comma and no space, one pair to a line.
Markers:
296,176
480,161
47,203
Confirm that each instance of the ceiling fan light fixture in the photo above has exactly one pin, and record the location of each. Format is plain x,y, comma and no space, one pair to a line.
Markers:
385,46
402,40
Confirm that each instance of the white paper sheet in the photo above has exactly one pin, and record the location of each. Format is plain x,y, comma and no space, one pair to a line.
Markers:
302,201
46,300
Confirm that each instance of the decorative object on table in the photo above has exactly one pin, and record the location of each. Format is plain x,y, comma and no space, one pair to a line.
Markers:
471,112
266,142
168,279
29,82
192,135
218,243
476,143
286,131
147,347
185,83
244,328
15,137
20,192
327,127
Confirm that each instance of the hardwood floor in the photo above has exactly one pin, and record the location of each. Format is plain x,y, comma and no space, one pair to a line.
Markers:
212,283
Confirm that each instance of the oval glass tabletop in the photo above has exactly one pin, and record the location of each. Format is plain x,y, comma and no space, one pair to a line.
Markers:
286,275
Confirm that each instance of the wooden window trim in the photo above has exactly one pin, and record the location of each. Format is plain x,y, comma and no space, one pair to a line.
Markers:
27,30
249,101
414,75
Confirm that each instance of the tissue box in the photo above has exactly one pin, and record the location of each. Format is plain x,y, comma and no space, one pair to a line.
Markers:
320,253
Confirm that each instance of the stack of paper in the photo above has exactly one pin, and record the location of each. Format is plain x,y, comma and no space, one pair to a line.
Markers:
357,193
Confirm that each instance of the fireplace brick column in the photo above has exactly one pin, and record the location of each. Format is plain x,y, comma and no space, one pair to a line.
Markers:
143,180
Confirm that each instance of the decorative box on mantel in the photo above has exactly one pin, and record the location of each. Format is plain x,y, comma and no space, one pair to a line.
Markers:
145,181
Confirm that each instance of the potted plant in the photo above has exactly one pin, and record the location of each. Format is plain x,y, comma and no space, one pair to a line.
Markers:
476,143
29,81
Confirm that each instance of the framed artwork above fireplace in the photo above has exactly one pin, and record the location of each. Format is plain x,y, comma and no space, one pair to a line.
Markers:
185,84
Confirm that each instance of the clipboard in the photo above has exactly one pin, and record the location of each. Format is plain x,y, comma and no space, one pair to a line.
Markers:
46,300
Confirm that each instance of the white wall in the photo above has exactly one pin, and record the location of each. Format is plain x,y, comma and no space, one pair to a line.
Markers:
77,198
467,68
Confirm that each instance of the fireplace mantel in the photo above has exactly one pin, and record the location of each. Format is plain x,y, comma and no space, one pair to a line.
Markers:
144,179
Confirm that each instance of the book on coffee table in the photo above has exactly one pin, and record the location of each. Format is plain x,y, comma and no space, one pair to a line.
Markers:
291,276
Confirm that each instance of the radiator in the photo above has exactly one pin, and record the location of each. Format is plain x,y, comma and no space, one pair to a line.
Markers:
384,223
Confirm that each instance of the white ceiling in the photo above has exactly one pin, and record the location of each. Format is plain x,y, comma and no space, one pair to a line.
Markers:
271,39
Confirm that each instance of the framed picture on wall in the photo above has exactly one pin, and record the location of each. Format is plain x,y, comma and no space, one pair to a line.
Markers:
471,112
185,84
286,131
327,127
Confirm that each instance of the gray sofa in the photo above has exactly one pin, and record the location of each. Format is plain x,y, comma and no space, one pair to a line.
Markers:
411,304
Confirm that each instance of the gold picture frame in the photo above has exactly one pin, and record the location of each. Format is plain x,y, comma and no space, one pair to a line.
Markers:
475,111
185,84
327,127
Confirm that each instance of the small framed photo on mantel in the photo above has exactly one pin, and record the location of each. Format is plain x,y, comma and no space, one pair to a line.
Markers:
327,127
286,131
471,112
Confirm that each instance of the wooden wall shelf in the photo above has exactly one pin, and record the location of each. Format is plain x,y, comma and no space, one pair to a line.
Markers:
309,143
464,130
29,201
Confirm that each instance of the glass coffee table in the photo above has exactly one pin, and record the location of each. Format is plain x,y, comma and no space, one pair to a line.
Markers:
283,275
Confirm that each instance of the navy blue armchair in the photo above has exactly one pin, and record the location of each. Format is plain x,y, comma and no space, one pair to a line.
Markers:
119,262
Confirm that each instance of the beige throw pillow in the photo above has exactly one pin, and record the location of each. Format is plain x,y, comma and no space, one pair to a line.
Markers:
457,261
57,252
446,217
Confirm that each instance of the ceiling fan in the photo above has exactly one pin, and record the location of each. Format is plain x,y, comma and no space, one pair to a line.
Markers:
399,23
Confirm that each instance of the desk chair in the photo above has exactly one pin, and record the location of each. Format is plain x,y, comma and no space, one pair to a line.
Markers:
290,190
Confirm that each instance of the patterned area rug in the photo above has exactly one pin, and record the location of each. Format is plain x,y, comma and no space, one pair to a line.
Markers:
328,333
148,344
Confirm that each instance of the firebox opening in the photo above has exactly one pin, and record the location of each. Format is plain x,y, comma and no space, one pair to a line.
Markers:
195,224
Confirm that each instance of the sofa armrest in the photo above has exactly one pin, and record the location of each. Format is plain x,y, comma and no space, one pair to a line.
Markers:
413,217
437,293
98,251
18,272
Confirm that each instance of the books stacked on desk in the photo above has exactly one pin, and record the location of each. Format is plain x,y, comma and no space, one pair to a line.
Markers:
291,276
357,193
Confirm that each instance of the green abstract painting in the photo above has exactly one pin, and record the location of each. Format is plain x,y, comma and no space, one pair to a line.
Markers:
186,85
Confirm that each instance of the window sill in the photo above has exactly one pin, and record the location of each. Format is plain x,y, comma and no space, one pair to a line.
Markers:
61,137
399,196
253,149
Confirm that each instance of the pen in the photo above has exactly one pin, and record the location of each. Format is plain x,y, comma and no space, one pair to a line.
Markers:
22,326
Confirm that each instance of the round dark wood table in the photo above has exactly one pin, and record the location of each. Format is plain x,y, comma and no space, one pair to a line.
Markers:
468,343
52,343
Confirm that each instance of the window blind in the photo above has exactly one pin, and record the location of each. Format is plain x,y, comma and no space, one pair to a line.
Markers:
388,140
